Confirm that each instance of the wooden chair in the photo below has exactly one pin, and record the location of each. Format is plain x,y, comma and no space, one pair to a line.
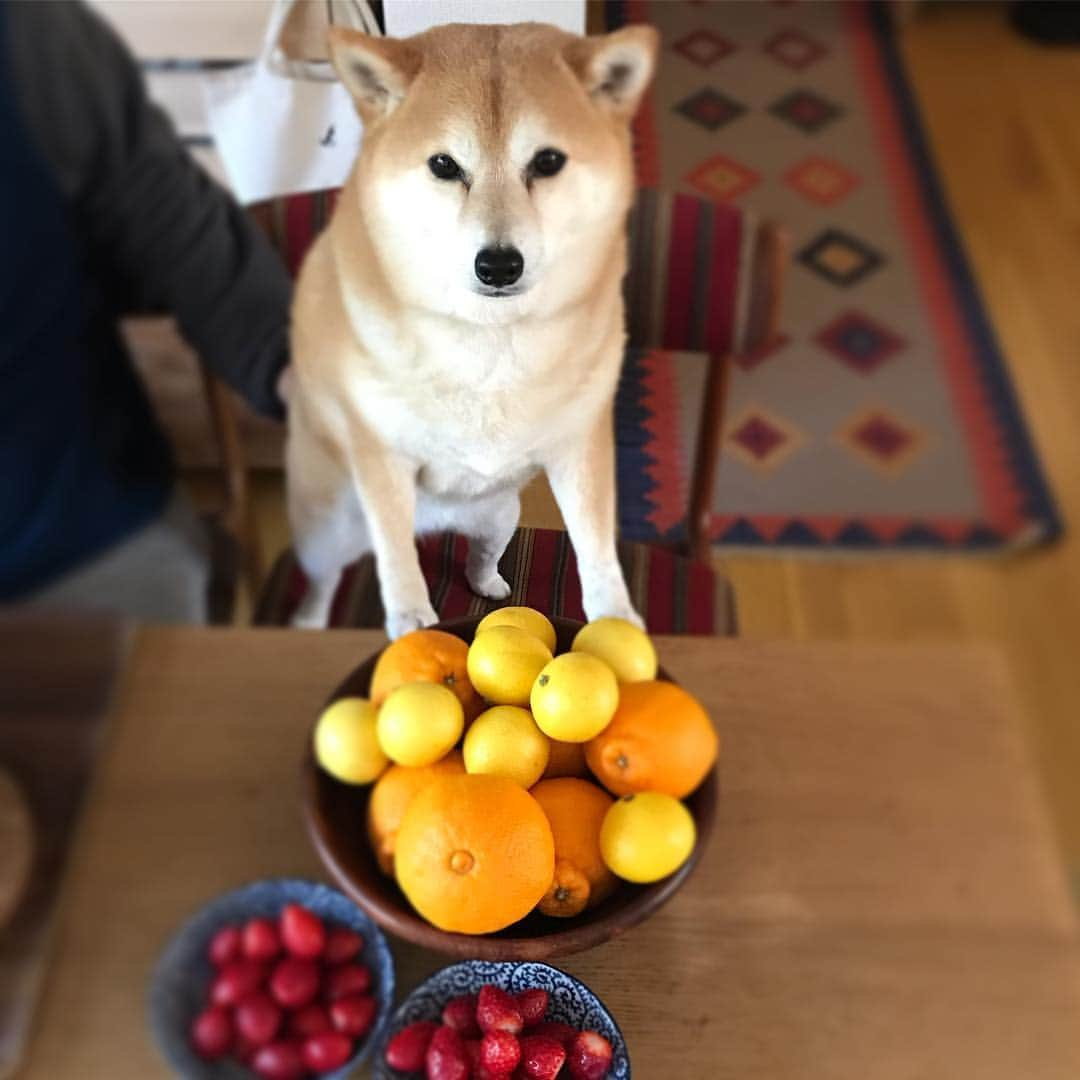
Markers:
704,285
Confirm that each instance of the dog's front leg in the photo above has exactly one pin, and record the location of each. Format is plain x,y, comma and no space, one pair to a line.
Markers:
582,477
386,486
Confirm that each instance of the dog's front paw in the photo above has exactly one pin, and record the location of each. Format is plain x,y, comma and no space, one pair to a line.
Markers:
607,608
404,622
494,586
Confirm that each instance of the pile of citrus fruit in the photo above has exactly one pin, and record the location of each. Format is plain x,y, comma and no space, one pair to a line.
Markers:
508,779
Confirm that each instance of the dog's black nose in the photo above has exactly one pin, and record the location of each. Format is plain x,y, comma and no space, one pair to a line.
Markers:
499,266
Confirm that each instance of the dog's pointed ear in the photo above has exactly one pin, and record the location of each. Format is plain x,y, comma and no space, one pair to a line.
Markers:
616,68
376,71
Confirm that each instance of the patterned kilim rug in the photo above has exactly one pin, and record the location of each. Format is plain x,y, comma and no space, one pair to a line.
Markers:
884,417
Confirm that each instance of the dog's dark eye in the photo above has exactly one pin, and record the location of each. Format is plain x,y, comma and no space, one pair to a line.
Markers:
547,162
444,167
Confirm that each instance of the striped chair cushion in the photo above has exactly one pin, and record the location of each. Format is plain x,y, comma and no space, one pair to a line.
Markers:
675,595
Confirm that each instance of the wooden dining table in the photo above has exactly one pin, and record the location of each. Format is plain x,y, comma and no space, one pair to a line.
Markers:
882,898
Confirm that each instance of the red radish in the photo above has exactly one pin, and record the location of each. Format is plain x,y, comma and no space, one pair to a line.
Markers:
460,1014
243,1050
346,980
235,981
541,1057
561,1033
280,1061
294,983
407,1050
302,932
353,1015
446,1058
212,1033
342,945
310,1020
326,1052
533,1005
260,940
225,946
499,1053
258,1018
496,1010
589,1057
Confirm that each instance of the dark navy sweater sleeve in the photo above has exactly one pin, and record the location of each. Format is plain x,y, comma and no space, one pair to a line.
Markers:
160,234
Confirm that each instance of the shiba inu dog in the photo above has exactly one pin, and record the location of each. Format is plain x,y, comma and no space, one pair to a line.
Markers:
459,325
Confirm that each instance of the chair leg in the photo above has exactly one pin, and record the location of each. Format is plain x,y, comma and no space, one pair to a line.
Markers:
707,456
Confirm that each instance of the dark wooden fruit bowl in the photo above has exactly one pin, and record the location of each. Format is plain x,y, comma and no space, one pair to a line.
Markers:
337,821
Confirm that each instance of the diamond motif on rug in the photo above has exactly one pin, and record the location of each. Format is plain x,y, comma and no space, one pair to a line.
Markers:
806,110
763,439
794,49
748,359
885,441
711,109
722,179
704,47
858,341
821,181
840,258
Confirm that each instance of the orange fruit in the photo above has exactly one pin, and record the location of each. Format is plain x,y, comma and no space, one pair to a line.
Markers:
575,810
474,853
426,656
660,739
565,759
390,798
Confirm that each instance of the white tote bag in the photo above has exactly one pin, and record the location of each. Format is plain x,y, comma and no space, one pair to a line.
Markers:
280,126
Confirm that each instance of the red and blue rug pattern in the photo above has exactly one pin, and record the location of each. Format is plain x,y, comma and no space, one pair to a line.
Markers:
884,417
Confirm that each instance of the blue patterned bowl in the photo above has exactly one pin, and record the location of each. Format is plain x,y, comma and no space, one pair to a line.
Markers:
571,1002
182,977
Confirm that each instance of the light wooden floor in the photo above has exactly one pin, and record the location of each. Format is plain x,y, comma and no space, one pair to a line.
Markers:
1003,118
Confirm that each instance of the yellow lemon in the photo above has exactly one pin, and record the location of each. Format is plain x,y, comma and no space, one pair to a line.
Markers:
345,742
574,697
524,618
419,723
505,741
503,663
622,646
646,837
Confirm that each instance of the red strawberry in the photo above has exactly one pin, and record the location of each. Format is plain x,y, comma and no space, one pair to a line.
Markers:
472,1052
302,932
212,1033
294,983
342,945
225,946
235,981
310,1020
496,1010
460,1014
407,1049
260,940
532,1005
589,1057
553,1029
446,1058
541,1057
258,1019
328,1051
499,1052
353,1015
347,979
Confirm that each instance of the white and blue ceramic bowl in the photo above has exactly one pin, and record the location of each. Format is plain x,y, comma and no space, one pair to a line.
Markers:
183,974
571,1002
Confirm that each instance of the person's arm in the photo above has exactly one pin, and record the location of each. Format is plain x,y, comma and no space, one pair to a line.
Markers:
162,233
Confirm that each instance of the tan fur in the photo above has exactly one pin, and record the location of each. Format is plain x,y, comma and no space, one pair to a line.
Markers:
419,403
